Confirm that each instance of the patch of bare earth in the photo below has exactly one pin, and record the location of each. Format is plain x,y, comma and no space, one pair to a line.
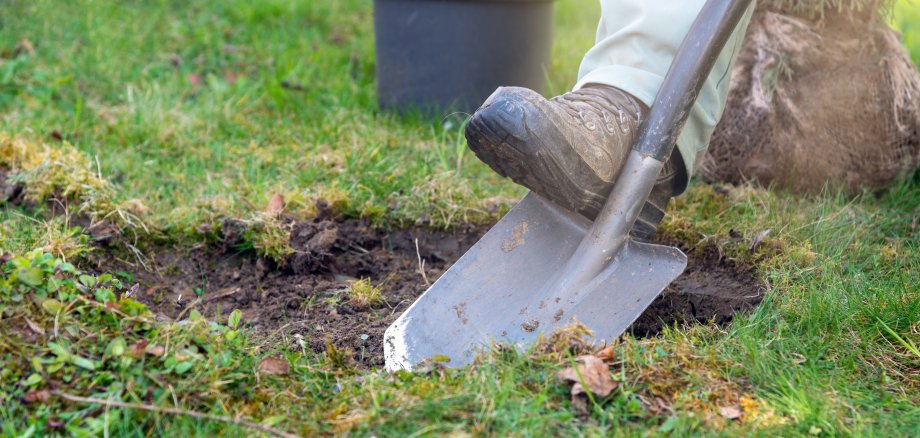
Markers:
307,296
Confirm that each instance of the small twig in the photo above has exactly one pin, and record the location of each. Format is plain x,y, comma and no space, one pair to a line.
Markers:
110,309
176,411
396,307
138,255
34,327
171,391
421,264
98,166
221,295
281,329
359,249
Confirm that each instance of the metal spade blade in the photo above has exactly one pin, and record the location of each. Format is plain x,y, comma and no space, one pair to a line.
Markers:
498,289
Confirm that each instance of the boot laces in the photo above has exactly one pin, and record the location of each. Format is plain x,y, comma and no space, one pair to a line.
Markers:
592,107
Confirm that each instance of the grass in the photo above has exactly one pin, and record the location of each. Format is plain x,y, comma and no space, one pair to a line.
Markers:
364,294
202,120
905,16
163,119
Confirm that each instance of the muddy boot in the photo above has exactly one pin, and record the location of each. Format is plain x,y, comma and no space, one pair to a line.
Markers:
568,149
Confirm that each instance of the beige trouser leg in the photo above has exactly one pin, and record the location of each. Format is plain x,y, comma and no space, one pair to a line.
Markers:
636,42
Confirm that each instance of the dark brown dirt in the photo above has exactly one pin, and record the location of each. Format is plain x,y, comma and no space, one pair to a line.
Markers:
10,193
307,296
710,289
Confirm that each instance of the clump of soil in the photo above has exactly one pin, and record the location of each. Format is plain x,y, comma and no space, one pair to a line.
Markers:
10,193
710,289
308,296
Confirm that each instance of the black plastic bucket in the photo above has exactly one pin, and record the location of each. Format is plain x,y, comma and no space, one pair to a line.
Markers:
450,55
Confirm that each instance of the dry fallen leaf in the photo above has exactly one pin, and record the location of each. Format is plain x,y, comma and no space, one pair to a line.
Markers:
275,205
730,412
156,350
138,349
37,396
594,373
656,405
606,354
25,46
35,327
274,366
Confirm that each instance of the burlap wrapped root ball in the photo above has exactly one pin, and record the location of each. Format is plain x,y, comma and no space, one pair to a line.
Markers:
817,99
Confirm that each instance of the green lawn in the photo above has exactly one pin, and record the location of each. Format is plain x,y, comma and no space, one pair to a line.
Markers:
160,117
906,17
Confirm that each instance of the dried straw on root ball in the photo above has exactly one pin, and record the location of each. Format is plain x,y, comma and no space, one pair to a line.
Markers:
821,93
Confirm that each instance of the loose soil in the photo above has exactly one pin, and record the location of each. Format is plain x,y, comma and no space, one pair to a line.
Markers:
307,299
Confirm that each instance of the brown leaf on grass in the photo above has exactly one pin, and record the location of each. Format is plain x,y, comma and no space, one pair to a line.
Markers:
138,349
656,405
35,327
730,412
275,205
156,350
38,396
606,354
593,372
274,366
25,46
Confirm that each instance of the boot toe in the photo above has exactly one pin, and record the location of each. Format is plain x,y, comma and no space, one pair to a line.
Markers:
509,116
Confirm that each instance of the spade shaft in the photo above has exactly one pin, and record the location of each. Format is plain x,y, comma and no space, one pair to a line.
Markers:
657,136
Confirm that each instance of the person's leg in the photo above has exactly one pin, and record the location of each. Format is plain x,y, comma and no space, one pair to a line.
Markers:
570,149
636,42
